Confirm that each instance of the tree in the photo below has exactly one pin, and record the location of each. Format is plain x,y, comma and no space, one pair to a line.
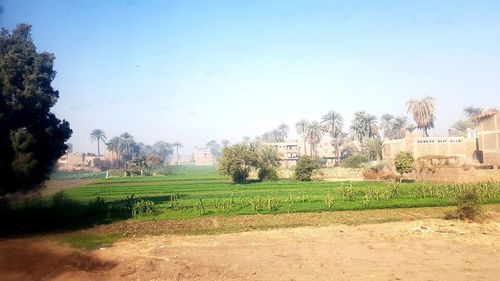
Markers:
163,150
459,128
177,145
269,156
423,113
374,148
386,124
404,163
224,142
98,135
128,147
364,125
214,148
114,146
301,127
471,111
283,129
334,122
305,167
237,161
31,137
314,134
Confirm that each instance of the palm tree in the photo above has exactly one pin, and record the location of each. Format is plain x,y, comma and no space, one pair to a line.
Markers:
301,127
314,133
214,148
114,146
98,135
177,145
163,150
398,128
334,122
459,128
423,113
386,124
283,129
471,111
364,125
269,155
127,146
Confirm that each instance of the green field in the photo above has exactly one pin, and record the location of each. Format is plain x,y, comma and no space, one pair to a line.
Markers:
200,191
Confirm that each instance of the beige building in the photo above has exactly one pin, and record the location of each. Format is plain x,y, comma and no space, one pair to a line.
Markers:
289,152
488,136
75,161
462,148
203,157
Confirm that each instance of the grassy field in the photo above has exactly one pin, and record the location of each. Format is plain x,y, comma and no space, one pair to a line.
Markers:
190,194
200,191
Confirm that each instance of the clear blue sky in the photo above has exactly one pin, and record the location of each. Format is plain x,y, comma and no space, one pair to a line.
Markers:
192,71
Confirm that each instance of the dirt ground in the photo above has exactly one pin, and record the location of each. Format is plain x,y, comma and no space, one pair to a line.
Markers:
429,249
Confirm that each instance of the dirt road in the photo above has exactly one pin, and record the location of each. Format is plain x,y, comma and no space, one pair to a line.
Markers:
417,250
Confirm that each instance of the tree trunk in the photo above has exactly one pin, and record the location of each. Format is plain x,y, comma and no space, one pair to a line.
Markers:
98,155
337,161
305,148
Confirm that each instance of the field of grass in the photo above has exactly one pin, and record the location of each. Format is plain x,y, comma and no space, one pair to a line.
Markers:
199,191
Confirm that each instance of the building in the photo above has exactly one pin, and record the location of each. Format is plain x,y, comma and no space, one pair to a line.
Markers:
203,157
488,137
461,148
289,152
481,146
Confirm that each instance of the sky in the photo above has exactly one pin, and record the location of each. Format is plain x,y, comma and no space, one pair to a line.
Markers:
193,71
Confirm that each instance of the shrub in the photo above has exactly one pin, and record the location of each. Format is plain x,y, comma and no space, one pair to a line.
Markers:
468,207
404,163
237,160
354,161
268,173
305,167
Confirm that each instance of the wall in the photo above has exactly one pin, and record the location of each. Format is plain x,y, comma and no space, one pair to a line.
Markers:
488,133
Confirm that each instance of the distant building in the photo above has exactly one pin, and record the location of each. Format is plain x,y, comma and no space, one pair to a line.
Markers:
203,157
488,137
289,152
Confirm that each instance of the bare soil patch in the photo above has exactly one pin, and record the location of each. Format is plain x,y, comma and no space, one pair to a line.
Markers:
423,249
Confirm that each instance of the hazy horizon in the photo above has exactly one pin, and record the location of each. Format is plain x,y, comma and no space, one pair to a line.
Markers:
193,71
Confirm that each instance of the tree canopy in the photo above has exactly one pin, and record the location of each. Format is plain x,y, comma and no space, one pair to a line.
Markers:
31,137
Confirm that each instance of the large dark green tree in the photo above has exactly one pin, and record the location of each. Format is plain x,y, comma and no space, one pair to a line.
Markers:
31,137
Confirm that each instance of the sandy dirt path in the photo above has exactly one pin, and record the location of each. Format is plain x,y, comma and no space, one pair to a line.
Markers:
430,249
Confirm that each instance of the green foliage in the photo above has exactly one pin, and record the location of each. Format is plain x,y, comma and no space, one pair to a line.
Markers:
305,167
404,163
354,161
237,160
268,173
31,137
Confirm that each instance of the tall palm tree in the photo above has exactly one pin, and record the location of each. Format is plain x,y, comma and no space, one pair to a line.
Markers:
334,122
214,148
459,128
98,135
283,129
177,145
114,146
314,133
301,127
423,113
364,125
224,143
374,147
471,111
386,124
398,128
127,146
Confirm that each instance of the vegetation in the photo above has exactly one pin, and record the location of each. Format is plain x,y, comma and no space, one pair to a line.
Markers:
98,135
334,122
200,191
305,168
355,161
404,163
237,160
268,173
423,113
364,125
31,137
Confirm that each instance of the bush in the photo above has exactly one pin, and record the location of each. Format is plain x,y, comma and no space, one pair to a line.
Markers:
404,163
468,207
354,161
268,173
237,160
305,167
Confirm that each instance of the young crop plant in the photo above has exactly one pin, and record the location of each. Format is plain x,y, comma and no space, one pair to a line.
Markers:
329,199
347,192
